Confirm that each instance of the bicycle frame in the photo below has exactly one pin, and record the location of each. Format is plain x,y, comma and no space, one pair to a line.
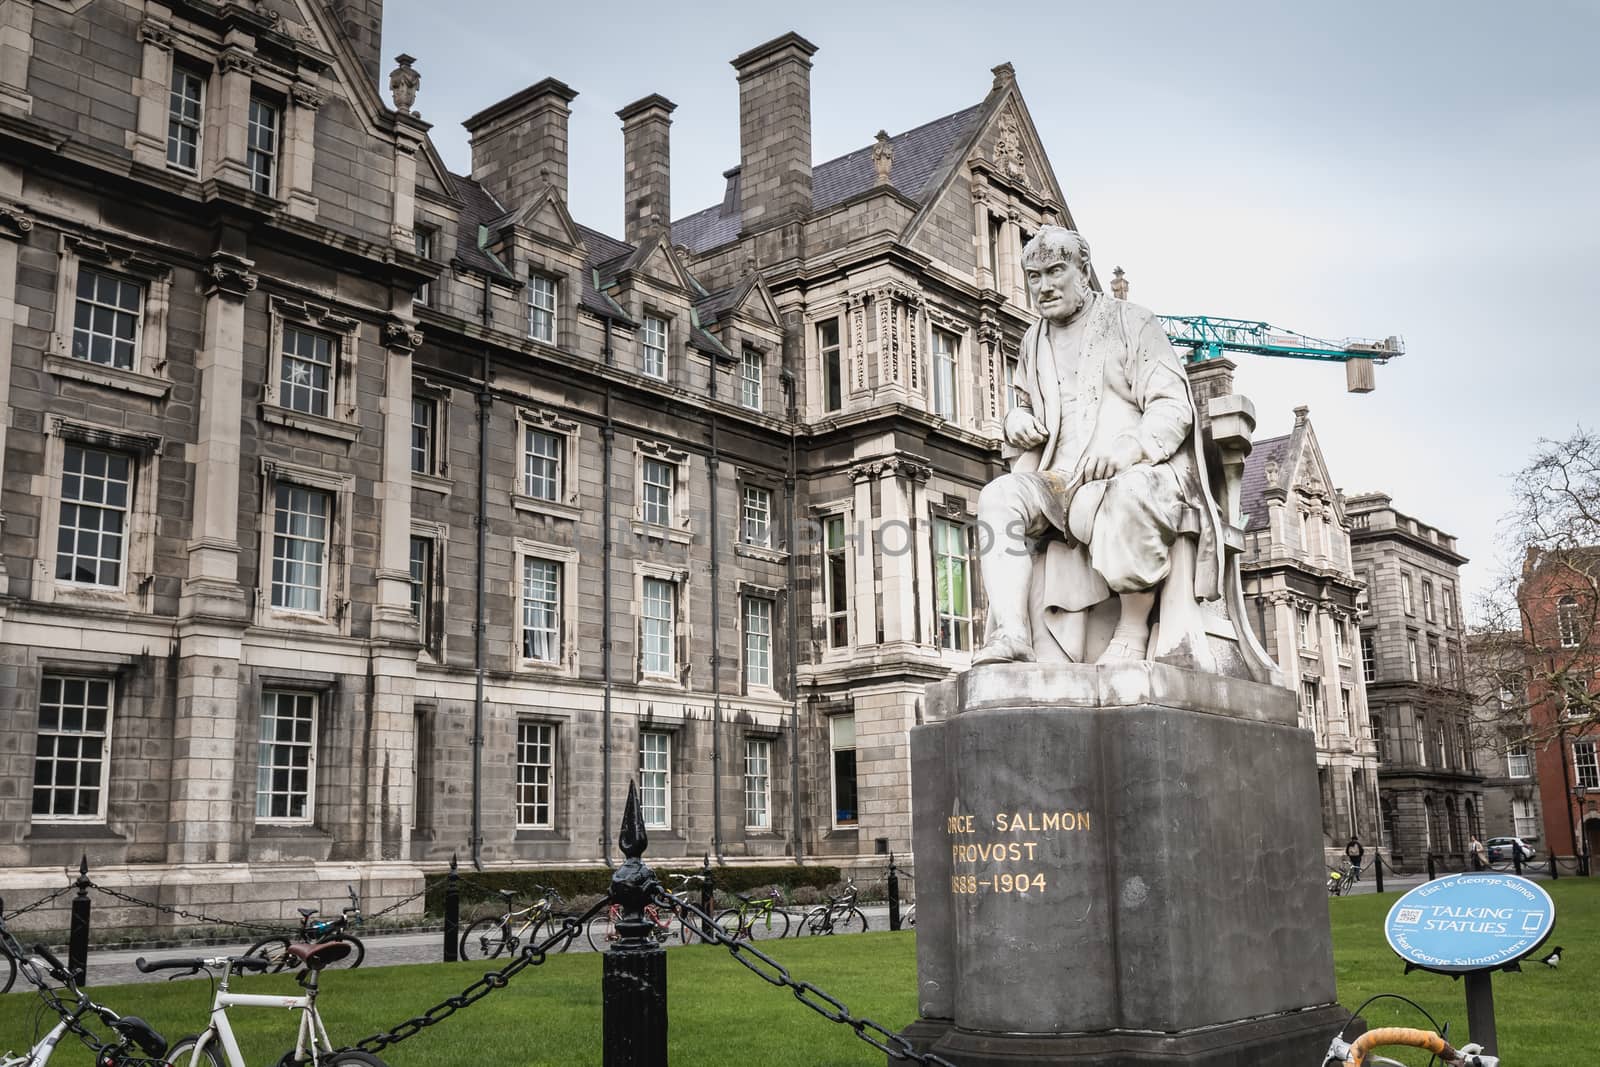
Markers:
307,1038
750,911
39,1055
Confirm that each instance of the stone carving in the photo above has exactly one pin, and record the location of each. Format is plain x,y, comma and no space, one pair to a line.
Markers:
157,32
883,157
401,337
1008,149
231,276
1106,521
307,95
237,60
14,220
403,84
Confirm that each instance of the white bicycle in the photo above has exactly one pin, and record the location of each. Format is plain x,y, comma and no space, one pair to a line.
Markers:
311,1045
130,1030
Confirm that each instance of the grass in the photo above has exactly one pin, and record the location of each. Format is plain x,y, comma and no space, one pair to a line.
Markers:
723,1015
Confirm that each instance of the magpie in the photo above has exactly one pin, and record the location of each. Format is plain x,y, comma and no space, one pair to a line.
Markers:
1554,959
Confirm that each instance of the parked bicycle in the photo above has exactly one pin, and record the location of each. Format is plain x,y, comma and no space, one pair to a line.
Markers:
276,950
137,1042
216,1045
665,924
489,937
835,914
1340,880
755,918
1358,1051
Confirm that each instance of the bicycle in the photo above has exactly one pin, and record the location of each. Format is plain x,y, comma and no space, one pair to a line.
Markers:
130,1029
835,913
755,918
311,1045
275,950
1340,881
602,929
1354,1052
489,937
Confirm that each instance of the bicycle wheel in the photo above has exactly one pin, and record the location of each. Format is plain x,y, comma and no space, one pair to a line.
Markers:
767,926
483,940
10,972
549,928
853,923
354,1056
181,1053
275,950
602,931
358,952
814,923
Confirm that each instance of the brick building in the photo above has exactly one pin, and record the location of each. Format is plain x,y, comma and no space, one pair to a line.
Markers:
1430,786
357,512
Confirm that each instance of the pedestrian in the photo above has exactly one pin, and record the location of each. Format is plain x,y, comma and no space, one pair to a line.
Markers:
1478,854
1354,853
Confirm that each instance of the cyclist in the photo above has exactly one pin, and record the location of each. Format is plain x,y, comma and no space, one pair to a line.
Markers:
1355,854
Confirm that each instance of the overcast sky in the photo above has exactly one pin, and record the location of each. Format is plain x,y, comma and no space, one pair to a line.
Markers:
1352,169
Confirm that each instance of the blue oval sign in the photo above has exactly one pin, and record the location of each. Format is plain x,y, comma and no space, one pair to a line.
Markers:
1470,922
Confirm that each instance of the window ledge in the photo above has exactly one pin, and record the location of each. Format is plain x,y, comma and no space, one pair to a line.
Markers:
99,596
299,420
661,681
111,377
71,831
304,831
540,833
548,508
546,669
282,619
431,483
657,532
761,552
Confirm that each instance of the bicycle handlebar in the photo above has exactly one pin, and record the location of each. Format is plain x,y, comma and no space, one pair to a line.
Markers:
57,968
196,963
1355,1053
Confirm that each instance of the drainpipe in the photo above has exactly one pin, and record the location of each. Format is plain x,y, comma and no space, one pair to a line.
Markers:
716,631
485,401
607,433
787,378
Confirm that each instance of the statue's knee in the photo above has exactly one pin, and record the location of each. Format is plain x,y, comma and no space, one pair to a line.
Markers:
999,495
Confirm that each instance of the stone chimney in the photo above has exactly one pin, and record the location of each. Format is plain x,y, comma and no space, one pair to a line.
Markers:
362,23
775,131
646,166
521,142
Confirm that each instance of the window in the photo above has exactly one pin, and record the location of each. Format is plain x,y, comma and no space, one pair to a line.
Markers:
655,778
536,764
69,764
299,547
541,611
945,347
758,642
758,785
1583,762
425,236
542,454
835,591
424,434
305,380
1433,660
659,626
1305,628
96,488
755,522
1344,702
1011,383
1380,740
950,578
1568,625
1447,598
842,743
288,749
1369,660
422,584
750,370
1422,742
1523,822
1308,704
105,325
653,347
1427,600
1338,637
995,223
1405,592
185,102
1441,746
1411,658
262,145
1455,667
542,308
832,367
658,484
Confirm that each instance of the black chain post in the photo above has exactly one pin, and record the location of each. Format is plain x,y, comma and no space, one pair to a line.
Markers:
78,939
634,975
894,895
452,913
1555,868
707,887
1377,870
1431,875
1516,858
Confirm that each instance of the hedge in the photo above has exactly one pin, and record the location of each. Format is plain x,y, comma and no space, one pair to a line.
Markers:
576,882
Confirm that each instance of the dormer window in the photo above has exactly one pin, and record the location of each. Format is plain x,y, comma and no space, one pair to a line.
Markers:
542,308
653,347
185,106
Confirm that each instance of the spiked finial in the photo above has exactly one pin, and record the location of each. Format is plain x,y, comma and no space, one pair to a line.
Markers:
633,839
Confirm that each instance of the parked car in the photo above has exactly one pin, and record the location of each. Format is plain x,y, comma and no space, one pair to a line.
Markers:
1500,849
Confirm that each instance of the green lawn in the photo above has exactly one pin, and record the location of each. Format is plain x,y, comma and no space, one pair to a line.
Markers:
723,1015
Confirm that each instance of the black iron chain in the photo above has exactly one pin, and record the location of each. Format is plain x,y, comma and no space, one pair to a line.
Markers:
774,973
41,902
281,931
530,956
396,904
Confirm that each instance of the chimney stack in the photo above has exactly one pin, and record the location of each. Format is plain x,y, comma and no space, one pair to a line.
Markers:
775,132
521,142
646,166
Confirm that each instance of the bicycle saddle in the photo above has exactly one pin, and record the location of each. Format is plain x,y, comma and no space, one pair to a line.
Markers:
306,913
316,957
508,893
142,1034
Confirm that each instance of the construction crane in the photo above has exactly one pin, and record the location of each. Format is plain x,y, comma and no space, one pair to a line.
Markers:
1208,337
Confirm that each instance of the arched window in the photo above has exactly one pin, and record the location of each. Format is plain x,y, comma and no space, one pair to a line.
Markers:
1568,625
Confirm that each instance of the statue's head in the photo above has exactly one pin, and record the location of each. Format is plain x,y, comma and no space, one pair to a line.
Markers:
1056,266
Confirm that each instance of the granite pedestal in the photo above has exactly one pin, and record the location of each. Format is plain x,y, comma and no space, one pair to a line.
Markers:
1118,865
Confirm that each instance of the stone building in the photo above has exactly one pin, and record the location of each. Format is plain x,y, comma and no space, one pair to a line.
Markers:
1500,729
1302,592
358,513
1430,785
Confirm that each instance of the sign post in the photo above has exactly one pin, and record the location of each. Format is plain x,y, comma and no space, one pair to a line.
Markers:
1471,925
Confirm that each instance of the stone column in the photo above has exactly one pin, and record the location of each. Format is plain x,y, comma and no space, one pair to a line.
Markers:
409,134
16,55
920,527
15,224
299,148
391,618
863,527
228,115
149,138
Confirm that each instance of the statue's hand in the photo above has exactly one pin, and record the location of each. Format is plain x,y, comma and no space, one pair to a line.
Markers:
1023,430
1111,458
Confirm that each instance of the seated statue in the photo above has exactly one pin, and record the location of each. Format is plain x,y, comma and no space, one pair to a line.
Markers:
1106,522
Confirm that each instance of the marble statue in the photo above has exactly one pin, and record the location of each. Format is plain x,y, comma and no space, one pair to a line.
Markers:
1104,538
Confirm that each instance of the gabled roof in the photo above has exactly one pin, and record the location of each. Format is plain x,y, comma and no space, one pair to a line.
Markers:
918,154
480,209
1253,487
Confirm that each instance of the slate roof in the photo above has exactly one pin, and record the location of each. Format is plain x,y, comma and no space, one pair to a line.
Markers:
712,306
918,155
1253,488
480,208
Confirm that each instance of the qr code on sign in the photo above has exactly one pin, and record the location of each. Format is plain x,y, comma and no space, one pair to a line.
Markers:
1409,915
